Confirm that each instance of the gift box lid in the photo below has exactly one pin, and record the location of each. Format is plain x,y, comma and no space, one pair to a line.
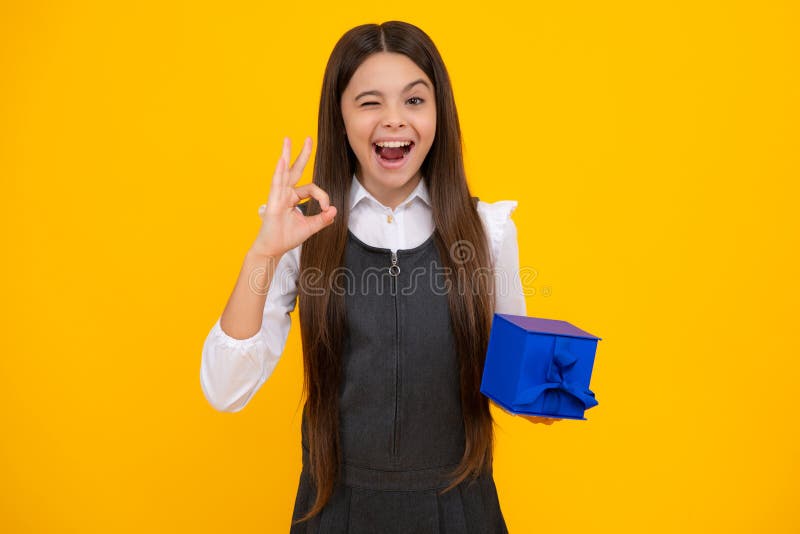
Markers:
546,326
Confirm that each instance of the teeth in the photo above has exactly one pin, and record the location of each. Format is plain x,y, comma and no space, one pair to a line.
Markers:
393,144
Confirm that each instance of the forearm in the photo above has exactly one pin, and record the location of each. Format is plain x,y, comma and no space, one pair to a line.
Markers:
243,313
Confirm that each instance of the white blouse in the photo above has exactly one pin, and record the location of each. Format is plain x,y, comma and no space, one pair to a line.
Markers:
232,370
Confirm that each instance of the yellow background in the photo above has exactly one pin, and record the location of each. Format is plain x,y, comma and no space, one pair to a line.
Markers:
653,149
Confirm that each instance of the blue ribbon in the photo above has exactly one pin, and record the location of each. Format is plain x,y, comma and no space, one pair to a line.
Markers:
556,380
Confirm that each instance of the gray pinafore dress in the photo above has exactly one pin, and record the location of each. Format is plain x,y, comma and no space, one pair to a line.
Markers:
400,408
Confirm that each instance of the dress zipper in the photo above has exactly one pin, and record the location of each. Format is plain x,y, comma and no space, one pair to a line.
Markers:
394,271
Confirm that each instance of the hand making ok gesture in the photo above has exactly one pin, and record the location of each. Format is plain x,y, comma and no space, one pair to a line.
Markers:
283,227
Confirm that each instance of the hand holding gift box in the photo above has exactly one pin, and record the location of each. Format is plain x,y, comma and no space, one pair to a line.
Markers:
539,367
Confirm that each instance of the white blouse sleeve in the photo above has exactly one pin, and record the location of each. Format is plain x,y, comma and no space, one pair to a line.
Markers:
231,369
502,235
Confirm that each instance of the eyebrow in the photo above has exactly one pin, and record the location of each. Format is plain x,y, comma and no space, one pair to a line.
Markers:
405,89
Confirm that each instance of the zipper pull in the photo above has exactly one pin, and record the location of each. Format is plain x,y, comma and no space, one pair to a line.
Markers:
394,270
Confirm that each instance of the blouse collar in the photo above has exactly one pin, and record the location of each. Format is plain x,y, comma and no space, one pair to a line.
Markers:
358,193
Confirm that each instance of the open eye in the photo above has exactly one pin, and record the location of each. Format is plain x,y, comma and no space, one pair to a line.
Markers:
416,98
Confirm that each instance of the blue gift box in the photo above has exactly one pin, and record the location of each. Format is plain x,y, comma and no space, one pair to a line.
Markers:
539,367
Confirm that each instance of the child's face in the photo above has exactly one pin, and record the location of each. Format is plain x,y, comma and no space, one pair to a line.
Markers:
391,110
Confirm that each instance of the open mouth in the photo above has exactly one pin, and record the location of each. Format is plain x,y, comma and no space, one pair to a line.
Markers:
392,154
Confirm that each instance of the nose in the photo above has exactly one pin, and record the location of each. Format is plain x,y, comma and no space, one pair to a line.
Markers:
395,122
393,118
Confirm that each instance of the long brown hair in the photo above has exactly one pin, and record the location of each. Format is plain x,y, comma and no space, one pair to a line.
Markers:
459,237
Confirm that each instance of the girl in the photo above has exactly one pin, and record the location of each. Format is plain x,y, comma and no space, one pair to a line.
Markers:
398,271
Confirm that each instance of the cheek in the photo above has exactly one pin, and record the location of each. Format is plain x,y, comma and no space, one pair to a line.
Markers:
429,134
430,124
359,132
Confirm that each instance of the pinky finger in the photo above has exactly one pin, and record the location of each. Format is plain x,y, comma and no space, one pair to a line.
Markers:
277,178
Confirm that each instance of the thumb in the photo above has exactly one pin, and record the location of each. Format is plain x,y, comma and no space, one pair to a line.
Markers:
323,219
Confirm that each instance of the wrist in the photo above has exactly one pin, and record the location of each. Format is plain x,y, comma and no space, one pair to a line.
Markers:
264,257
